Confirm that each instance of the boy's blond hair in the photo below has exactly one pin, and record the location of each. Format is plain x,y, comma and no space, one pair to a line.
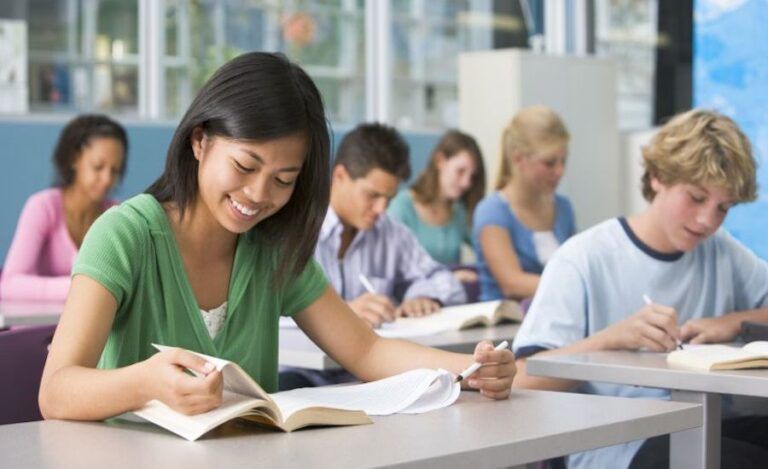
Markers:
533,128
701,147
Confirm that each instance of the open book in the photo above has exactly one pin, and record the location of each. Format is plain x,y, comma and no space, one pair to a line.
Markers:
453,318
412,392
721,357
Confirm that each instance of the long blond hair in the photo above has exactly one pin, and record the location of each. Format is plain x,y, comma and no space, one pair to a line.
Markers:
532,128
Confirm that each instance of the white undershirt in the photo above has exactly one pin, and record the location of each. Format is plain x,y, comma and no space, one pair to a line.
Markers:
545,244
214,319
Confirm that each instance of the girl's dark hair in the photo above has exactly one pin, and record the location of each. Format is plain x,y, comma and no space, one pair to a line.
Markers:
259,96
427,186
76,135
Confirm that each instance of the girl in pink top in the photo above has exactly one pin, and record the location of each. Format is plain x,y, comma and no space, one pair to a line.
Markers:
89,159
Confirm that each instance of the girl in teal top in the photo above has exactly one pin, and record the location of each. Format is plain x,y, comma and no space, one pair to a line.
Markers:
438,206
208,259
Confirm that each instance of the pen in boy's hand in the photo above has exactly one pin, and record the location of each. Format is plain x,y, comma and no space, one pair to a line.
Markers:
475,366
649,302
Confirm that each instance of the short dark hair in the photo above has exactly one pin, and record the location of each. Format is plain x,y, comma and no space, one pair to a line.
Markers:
76,135
374,146
260,96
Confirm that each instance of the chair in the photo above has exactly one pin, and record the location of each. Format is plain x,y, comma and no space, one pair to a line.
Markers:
23,351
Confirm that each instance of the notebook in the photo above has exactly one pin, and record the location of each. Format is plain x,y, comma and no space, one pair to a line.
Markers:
720,357
413,392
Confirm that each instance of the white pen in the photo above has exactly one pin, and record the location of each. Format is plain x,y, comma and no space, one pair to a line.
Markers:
649,302
366,283
475,366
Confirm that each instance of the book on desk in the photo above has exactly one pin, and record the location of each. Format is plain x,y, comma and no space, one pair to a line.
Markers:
720,357
413,392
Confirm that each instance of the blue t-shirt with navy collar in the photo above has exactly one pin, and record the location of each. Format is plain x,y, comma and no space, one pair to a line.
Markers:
598,278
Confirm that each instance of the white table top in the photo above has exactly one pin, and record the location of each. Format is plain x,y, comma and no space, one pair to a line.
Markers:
474,432
22,313
647,369
296,349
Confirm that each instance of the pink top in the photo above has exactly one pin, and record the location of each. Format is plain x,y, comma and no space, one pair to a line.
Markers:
39,262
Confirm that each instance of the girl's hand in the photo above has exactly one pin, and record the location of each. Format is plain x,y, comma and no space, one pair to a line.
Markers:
494,378
709,330
176,388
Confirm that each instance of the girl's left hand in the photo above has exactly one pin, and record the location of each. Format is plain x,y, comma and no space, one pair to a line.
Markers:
494,378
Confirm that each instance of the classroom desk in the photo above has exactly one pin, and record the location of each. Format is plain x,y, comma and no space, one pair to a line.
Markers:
28,313
695,448
296,349
474,432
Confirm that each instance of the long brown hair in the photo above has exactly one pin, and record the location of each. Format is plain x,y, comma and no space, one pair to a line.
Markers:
533,128
426,189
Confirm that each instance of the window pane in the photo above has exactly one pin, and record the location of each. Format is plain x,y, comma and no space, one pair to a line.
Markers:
115,88
428,37
117,29
625,31
54,26
325,37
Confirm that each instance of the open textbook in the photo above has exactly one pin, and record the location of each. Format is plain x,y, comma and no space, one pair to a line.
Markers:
721,357
412,392
449,318
453,318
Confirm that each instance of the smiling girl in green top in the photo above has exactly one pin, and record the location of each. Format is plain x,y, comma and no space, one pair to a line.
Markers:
208,259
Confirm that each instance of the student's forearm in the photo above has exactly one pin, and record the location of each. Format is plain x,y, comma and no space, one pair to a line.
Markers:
80,393
524,380
756,315
386,357
519,285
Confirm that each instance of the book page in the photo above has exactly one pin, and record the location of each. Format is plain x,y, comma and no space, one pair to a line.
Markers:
192,427
235,378
383,397
758,347
442,393
449,318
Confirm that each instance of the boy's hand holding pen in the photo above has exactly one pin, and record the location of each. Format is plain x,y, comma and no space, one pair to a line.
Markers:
678,342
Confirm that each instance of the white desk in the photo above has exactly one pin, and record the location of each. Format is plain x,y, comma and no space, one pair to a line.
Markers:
22,313
695,448
297,350
474,432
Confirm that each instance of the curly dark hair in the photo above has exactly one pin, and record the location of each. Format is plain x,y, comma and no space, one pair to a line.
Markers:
76,135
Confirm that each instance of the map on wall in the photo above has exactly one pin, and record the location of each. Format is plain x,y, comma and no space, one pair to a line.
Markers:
730,63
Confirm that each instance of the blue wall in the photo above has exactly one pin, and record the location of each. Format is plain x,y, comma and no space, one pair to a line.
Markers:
25,152
731,75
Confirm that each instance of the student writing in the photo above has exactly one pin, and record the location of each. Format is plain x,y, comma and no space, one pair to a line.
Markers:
438,207
517,228
704,282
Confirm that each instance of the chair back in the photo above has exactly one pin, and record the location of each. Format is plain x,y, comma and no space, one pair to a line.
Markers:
23,351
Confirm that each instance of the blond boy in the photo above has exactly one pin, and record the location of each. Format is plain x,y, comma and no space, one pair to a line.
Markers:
703,282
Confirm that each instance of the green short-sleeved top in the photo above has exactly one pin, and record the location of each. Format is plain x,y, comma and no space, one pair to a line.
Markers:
132,252
442,242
